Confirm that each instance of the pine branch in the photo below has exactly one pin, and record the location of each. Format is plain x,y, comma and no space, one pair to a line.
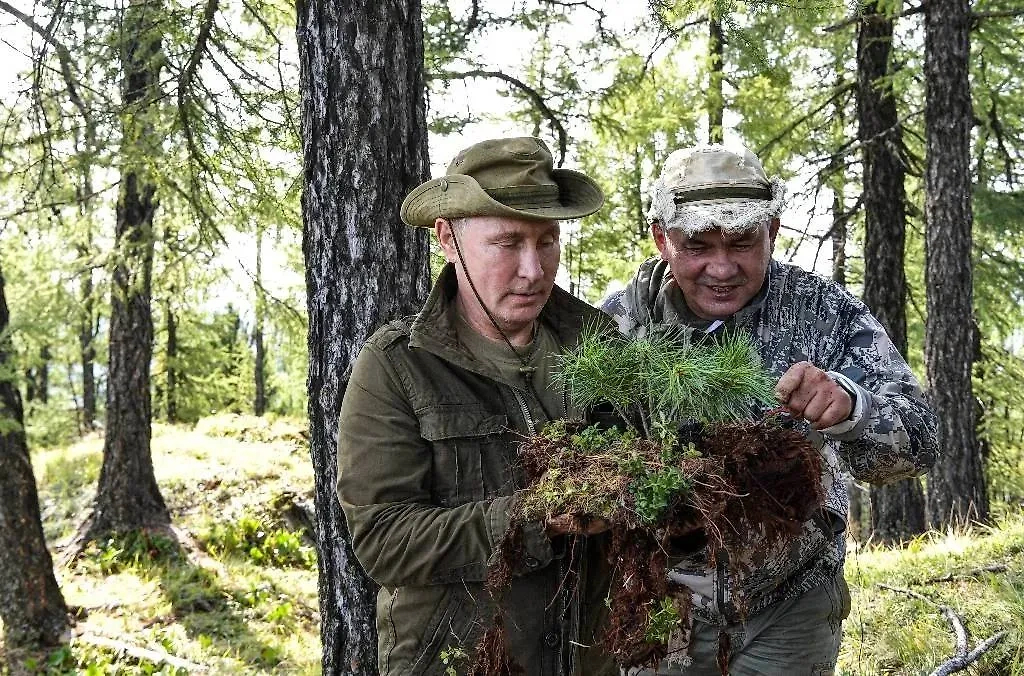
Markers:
63,55
185,83
667,379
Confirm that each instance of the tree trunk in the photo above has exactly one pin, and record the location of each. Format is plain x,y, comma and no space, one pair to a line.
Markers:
956,484
716,78
44,373
87,348
259,404
838,237
897,510
127,497
364,148
171,377
31,605
31,384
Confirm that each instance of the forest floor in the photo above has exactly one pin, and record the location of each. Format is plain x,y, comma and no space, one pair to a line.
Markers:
242,597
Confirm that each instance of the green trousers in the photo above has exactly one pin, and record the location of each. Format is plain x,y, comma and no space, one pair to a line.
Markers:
799,637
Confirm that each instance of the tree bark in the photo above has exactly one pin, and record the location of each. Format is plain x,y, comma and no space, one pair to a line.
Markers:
259,404
364,148
839,236
897,510
127,497
31,605
956,484
45,355
716,78
87,348
171,375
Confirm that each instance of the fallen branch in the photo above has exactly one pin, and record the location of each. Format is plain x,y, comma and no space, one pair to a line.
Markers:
961,659
956,664
141,653
973,572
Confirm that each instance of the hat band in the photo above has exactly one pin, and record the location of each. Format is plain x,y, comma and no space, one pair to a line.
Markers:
526,195
723,192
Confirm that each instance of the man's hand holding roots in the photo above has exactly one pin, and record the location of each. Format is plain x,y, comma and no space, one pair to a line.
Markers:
807,392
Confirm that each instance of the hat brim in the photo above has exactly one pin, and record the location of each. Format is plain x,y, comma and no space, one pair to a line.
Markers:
460,196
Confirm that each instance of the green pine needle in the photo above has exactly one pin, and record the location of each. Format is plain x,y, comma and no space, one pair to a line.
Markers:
660,379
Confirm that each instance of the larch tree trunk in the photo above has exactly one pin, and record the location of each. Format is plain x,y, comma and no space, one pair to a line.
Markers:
897,510
45,355
127,497
86,144
716,79
838,237
956,484
259,404
31,384
364,148
838,234
31,605
87,346
171,354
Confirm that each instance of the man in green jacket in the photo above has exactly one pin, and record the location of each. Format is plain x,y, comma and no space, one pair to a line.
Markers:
433,414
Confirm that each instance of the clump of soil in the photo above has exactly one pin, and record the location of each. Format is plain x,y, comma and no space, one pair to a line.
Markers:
684,471
712,489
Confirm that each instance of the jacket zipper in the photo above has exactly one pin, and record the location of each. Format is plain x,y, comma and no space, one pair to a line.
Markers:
530,425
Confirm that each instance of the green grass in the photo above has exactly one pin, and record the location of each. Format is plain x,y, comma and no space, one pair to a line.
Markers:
893,633
245,602
239,612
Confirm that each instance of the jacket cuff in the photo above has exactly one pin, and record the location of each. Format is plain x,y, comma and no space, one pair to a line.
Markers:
537,549
854,425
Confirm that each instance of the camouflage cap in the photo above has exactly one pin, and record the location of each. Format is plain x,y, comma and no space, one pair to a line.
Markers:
715,186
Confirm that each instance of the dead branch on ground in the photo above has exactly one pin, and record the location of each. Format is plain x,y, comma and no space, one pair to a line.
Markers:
961,658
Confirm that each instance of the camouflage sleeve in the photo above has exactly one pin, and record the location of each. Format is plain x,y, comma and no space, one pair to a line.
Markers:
615,307
891,434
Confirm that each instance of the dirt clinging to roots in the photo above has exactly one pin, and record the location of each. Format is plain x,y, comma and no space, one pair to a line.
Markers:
744,482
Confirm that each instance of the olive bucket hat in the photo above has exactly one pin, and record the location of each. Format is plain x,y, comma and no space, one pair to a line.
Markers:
512,177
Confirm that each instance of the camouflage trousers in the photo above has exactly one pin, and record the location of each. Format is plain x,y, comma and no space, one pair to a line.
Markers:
799,637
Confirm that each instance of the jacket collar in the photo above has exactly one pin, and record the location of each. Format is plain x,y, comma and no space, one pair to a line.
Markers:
653,297
433,329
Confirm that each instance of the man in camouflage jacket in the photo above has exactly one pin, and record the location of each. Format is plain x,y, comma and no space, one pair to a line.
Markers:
714,218
433,414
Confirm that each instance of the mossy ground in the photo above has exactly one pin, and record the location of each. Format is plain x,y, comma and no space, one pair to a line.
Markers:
236,615
978,572
244,601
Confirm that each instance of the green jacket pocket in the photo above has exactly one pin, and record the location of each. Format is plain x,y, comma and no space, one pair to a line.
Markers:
472,453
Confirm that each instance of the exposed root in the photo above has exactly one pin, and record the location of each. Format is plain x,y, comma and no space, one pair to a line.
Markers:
492,657
723,490
510,557
639,582
724,653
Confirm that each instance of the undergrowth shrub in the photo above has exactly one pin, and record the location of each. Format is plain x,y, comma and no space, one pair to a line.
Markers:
50,424
251,428
260,541
89,660
133,549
